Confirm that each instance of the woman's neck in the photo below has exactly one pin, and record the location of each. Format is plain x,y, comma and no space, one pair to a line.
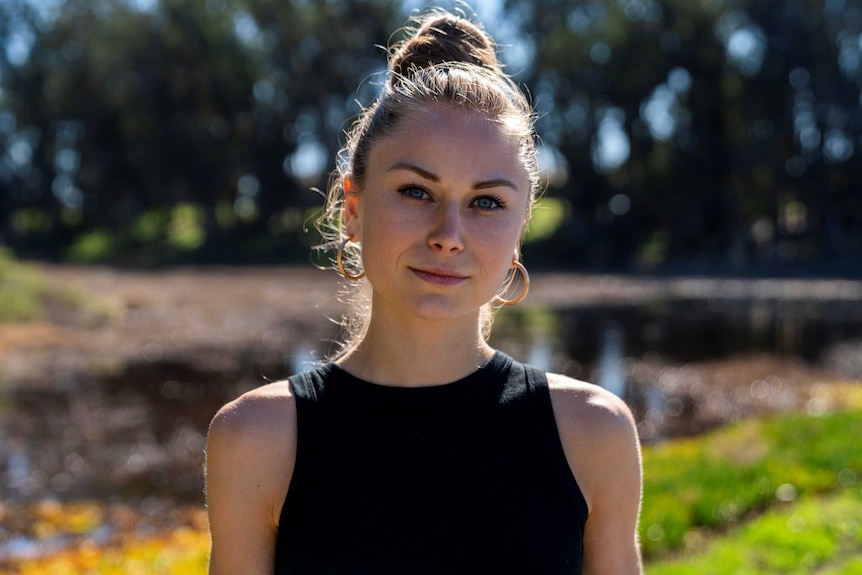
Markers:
420,353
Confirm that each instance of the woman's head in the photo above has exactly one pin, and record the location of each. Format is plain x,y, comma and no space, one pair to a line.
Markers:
448,62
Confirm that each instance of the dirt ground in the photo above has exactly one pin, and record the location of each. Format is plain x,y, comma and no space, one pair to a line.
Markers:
202,316
212,317
209,314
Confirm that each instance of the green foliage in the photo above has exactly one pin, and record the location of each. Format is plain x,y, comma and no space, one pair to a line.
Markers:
185,230
548,215
819,534
92,246
654,251
31,221
179,230
179,235
149,227
21,290
723,478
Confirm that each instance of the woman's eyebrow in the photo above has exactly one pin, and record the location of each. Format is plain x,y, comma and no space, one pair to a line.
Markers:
415,169
495,184
484,185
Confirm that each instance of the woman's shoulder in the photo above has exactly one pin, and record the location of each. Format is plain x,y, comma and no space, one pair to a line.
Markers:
256,429
264,410
251,452
587,404
599,437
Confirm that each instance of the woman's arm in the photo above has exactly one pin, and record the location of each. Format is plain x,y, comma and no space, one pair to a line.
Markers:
601,444
251,448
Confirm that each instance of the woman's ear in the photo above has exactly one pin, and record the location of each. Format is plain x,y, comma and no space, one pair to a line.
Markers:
351,210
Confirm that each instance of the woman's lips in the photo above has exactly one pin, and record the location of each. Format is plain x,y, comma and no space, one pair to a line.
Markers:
439,277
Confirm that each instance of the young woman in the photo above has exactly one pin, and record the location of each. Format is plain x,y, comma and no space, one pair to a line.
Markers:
418,448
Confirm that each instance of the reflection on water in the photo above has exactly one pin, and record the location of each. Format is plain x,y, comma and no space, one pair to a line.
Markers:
141,434
700,361
105,440
610,362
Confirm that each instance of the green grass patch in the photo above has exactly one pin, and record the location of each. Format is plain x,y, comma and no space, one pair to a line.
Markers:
720,480
815,535
21,290
26,295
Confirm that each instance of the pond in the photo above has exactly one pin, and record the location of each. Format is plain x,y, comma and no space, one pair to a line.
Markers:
139,435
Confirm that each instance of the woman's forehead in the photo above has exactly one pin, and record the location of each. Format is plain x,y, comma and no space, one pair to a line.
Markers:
443,136
452,128
451,117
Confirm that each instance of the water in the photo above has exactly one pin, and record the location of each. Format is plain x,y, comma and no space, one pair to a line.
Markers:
699,362
141,434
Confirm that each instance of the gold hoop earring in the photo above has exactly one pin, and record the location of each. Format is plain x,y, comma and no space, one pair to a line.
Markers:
340,263
519,267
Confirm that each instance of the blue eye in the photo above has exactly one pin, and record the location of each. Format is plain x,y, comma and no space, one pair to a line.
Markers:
413,192
488,203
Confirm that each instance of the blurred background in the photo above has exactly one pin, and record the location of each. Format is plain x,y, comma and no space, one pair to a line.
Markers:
718,136
698,249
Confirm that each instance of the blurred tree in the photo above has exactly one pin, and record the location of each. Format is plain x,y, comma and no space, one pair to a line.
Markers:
714,132
312,57
20,181
115,113
697,130
130,112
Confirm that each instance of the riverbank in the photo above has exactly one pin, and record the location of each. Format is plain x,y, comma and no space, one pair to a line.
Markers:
109,392
226,318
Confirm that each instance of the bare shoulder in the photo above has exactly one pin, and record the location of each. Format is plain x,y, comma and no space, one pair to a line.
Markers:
256,429
264,411
588,406
251,451
599,437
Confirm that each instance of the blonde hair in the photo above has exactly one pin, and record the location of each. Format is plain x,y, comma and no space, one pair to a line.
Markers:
446,59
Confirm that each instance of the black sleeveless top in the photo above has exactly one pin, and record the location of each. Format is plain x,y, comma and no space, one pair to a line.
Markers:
464,478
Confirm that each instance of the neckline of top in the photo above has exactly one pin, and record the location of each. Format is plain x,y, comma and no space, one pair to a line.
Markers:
344,381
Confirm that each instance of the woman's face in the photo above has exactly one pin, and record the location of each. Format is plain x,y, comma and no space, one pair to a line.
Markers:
440,214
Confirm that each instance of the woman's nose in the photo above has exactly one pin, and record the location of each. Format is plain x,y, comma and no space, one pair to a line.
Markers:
447,232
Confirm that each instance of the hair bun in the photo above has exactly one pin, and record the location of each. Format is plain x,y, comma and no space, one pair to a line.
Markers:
440,39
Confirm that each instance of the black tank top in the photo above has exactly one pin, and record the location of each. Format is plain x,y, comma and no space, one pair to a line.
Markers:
464,478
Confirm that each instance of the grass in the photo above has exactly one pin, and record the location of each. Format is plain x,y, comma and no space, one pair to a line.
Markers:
819,534
719,480
724,478
776,495
27,295
22,290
